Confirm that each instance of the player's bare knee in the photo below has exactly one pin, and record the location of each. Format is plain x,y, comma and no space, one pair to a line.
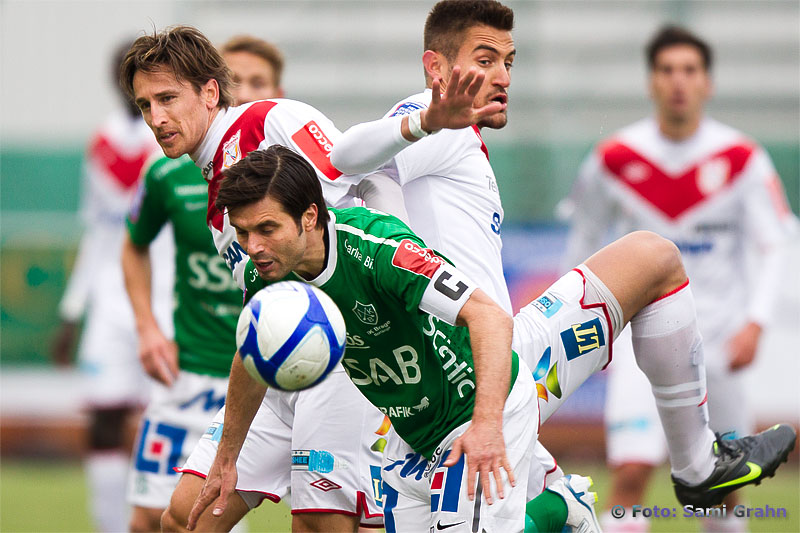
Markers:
661,257
170,522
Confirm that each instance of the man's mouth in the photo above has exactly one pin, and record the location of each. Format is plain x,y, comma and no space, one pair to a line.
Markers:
500,98
263,266
167,137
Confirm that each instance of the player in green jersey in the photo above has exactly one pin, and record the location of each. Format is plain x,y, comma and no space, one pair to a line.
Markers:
443,386
194,368
192,371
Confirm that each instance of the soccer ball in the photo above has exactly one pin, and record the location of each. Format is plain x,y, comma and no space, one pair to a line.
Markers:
290,335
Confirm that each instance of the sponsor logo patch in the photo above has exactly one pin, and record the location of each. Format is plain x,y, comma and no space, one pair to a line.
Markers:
583,338
313,460
316,146
325,485
547,304
410,256
406,109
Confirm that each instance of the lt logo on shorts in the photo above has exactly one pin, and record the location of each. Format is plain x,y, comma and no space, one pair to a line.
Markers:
583,338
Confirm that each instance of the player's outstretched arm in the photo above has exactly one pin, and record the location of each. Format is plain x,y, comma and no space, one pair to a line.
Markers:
368,146
490,330
241,405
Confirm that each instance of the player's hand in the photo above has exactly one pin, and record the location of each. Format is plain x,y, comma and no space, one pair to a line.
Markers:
743,345
219,486
485,451
454,109
64,343
158,355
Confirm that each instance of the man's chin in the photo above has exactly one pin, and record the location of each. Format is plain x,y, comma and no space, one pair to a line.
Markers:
494,122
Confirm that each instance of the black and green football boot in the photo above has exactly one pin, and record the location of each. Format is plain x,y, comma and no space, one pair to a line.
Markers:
739,462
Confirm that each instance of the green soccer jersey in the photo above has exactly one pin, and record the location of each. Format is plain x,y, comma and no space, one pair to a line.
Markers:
399,301
208,301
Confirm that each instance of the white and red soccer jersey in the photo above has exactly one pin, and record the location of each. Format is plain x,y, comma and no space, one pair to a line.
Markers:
714,195
112,168
452,199
237,131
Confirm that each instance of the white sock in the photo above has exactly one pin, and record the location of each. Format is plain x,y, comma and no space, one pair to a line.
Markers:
728,524
626,524
669,351
107,474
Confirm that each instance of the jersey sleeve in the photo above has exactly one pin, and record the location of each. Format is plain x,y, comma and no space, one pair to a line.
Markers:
422,279
148,212
769,226
589,210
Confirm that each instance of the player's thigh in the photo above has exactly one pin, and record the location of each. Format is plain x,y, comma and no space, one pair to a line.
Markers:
565,336
170,428
145,519
336,445
324,523
186,492
638,268
633,429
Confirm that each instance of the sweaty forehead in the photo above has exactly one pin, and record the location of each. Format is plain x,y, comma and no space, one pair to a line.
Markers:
156,81
481,36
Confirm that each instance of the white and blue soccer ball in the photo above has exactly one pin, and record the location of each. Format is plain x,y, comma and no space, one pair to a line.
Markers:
290,335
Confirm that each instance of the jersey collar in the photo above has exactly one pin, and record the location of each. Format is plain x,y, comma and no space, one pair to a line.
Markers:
330,266
208,147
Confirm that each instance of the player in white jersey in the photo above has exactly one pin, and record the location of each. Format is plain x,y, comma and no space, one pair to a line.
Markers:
184,97
715,193
191,386
107,353
588,305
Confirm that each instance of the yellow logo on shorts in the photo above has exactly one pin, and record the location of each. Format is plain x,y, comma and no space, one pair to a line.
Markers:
583,338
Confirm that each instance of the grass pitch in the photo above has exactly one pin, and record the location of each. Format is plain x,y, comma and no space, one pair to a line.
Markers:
42,496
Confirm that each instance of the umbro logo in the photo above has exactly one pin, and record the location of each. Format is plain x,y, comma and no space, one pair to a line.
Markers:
325,485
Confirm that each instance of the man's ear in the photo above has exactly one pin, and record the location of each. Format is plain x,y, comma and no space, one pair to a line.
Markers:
436,66
309,218
210,93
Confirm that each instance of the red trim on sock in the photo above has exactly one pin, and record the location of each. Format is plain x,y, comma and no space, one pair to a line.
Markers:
267,495
705,400
673,291
555,467
603,306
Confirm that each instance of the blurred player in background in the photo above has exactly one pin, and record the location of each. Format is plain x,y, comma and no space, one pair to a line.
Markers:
183,88
115,385
193,370
715,193
457,210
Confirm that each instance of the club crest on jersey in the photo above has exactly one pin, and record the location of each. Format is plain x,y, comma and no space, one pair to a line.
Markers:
231,153
636,172
713,174
366,313
583,338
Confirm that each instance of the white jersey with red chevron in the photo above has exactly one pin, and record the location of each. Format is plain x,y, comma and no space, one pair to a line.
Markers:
711,194
452,199
112,168
237,131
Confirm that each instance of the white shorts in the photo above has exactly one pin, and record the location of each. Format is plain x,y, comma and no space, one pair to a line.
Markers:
170,427
633,430
109,361
564,338
325,443
422,495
